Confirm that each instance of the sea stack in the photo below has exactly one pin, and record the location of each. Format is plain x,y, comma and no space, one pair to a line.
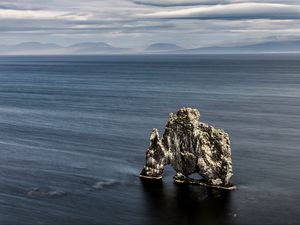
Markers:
190,146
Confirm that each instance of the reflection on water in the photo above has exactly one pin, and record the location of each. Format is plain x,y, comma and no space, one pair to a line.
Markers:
186,204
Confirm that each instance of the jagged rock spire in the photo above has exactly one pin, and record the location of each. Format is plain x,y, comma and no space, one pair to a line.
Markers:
190,146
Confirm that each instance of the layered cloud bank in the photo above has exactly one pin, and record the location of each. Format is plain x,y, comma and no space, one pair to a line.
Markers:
236,11
136,23
171,3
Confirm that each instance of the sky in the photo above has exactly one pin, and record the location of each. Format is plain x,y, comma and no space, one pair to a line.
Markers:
138,23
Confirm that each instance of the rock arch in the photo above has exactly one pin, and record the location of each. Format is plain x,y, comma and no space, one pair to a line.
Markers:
190,146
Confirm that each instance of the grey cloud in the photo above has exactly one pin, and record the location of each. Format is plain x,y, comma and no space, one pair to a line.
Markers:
176,3
236,11
86,30
140,22
172,3
16,5
147,29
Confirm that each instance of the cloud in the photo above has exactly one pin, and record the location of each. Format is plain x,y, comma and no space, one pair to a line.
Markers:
189,23
176,3
231,12
40,15
171,3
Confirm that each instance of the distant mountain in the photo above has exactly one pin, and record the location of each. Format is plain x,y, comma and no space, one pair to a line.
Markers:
28,48
266,47
94,48
37,48
163,47
101,48
34,46
90,45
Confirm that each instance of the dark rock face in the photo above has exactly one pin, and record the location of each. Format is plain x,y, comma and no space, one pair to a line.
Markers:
190,146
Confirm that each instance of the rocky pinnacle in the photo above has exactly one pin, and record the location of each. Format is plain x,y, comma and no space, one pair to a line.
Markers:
190,146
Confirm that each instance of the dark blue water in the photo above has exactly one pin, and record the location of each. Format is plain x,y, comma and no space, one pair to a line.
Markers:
74,131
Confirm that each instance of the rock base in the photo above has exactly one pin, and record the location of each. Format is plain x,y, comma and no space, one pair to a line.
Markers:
201,182
148,177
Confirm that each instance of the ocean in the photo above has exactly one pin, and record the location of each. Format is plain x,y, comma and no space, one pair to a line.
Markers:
74,131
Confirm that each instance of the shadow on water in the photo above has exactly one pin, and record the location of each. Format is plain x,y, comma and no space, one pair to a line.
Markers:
185,204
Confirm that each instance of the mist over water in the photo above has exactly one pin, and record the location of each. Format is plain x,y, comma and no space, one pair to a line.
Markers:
74,131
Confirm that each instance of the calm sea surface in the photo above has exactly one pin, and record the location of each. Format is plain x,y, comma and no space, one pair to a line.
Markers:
74,131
